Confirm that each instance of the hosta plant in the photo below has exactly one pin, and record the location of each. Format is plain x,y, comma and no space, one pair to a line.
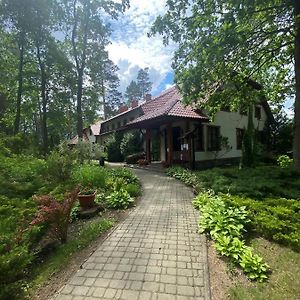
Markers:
119,199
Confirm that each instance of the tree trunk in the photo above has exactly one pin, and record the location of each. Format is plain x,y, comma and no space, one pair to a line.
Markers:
20,83
248,141
80,64
296,146
44,101
104,99
79,105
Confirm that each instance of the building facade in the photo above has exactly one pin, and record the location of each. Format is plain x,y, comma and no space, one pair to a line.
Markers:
178,134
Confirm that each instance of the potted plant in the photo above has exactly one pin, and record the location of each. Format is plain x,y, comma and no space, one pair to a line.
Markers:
89,178
86,197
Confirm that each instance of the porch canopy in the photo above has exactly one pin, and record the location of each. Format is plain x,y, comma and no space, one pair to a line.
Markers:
164,109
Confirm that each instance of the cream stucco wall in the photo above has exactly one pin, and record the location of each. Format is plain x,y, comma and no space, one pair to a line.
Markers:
229,122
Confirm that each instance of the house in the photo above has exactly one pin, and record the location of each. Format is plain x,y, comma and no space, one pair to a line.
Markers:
175,133
90,135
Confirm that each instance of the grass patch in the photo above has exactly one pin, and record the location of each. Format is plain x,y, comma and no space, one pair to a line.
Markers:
63,253
284,282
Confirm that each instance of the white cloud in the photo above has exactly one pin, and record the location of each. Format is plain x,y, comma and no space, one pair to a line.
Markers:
131,48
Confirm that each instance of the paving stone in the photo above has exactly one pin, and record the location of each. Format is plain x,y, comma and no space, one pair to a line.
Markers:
156,253
130,295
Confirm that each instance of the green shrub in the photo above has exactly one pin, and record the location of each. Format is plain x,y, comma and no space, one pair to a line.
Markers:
126,174
21,176
284,161
88,151
113,148
89,176
60,163
119,199
275,219
133,189
15,244
131,143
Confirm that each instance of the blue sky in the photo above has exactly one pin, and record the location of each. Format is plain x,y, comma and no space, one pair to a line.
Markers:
131,49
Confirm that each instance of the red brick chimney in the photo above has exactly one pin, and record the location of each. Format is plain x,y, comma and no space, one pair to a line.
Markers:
148,97
122,109
134,103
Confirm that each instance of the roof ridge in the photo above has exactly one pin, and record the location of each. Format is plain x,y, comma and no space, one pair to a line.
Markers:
173,102
161,94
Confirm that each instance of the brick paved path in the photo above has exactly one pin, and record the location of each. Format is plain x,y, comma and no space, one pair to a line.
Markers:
156,253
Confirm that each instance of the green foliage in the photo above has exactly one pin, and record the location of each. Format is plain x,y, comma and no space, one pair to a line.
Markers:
274,218
15,243
133,189
60,163
221,44
124,173
20,175
89,176
113,148
226,225
184,175
284,161
119,199
271,197
131,143
88,151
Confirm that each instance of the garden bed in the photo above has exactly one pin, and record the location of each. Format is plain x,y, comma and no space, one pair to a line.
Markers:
37,200
271,196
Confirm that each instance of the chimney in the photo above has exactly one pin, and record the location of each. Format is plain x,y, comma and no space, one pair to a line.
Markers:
148,97
122,109
134,103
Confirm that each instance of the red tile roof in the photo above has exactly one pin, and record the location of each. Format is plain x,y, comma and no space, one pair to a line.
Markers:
167,104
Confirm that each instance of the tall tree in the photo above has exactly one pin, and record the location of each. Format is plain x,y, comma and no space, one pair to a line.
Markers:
133,92
224,40
103,73
17,15
144,82
45,46
87,27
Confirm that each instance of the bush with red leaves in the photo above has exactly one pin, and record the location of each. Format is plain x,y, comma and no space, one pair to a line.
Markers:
55,214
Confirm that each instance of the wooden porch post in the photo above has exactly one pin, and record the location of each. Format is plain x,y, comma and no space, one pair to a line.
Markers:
148,145
170,143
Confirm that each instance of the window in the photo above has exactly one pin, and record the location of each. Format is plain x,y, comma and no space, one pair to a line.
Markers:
124,122
131,119
113,127
257,112
213,138
199,139
239,138
119,124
